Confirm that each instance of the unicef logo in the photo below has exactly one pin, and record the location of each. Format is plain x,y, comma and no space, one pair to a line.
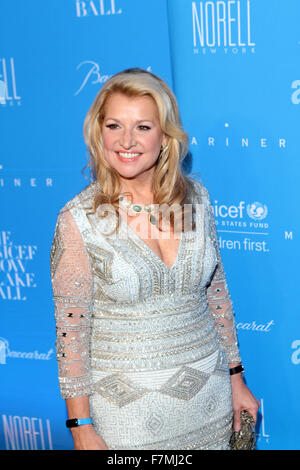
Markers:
257,211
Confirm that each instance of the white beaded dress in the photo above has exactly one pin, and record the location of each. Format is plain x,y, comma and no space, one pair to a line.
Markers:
149,344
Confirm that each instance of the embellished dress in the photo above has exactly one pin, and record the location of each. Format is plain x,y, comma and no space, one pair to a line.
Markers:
149,344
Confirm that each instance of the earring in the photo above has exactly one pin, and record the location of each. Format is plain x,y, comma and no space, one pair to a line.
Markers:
162,149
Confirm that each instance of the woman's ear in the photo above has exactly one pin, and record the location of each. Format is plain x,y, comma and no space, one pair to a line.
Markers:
165,140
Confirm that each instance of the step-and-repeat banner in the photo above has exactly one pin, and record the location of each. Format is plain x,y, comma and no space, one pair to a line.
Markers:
234,67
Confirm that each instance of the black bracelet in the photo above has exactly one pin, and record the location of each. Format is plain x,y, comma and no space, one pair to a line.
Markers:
236,370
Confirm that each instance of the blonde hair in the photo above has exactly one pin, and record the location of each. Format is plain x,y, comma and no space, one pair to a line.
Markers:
169,183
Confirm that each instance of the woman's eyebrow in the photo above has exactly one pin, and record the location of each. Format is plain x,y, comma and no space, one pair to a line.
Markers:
138,121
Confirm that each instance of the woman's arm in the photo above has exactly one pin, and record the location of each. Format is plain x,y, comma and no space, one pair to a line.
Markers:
242,399
221,307
73,293
218,296
84,436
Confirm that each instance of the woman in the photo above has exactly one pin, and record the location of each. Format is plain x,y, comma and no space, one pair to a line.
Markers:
145,327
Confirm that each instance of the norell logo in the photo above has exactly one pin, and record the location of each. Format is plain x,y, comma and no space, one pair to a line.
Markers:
8,83
222,24
96,8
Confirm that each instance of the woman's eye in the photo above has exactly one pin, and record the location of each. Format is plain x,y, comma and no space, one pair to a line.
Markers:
116,126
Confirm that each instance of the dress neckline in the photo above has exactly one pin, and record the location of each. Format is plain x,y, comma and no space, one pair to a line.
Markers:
146,247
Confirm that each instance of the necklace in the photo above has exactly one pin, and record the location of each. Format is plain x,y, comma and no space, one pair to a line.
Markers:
137,208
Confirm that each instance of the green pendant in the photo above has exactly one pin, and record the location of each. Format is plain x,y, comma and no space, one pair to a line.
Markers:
152,219
136,208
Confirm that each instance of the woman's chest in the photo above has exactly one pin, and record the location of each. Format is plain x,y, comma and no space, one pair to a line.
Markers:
129,265
158,236
127,269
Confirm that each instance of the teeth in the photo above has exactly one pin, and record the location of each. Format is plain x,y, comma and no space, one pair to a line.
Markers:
128,155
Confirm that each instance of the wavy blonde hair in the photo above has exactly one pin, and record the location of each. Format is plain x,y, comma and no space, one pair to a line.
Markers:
169,183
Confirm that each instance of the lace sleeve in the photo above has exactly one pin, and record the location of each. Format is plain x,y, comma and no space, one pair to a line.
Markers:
219,299
72,294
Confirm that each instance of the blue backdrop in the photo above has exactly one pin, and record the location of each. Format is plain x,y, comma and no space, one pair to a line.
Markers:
234,67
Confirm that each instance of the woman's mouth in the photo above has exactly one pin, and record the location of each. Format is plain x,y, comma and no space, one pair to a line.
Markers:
128,156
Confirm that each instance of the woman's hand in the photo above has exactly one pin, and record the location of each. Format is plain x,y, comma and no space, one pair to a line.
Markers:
86,438
242,399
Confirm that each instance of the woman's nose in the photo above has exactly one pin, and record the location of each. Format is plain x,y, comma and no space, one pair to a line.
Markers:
127,139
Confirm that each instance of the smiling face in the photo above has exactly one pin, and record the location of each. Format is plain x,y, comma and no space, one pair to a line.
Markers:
132,135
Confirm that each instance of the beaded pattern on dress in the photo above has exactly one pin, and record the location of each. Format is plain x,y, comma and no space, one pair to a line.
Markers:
126,320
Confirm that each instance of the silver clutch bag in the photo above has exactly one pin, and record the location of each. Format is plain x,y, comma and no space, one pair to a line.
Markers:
245,438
